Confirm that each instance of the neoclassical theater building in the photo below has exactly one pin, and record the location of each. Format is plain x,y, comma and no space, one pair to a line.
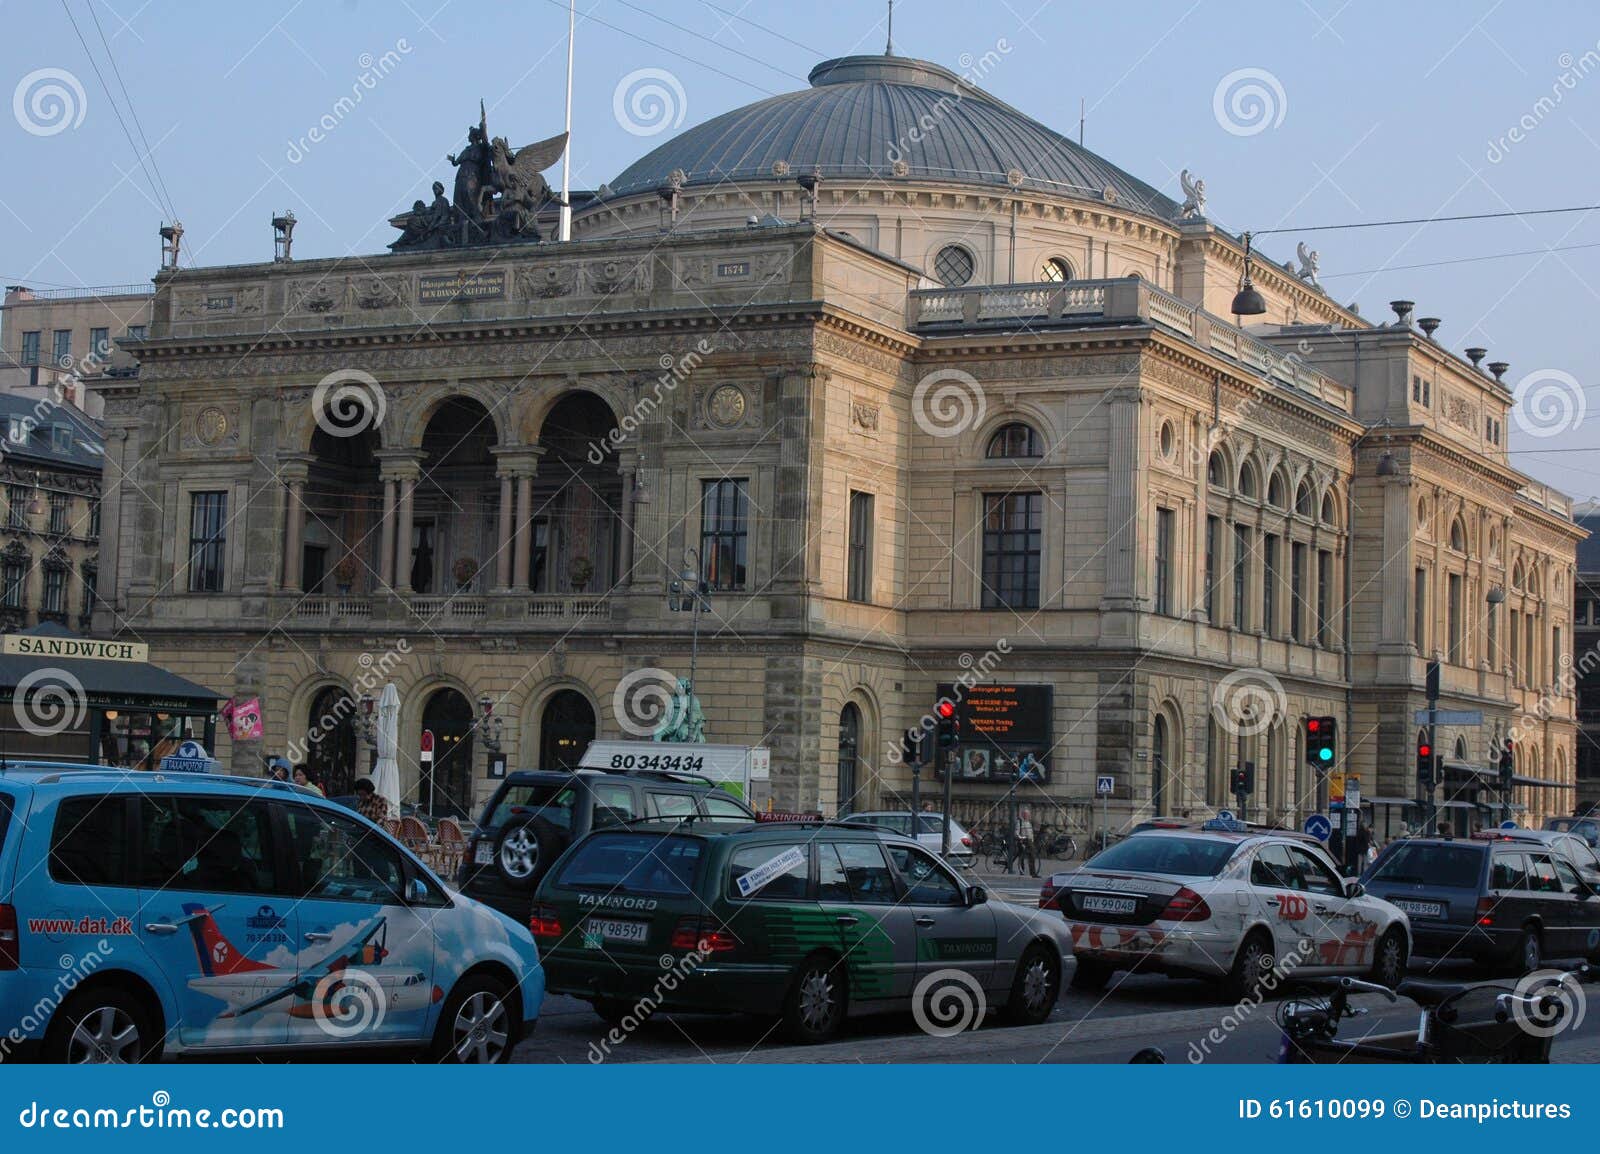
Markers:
926,390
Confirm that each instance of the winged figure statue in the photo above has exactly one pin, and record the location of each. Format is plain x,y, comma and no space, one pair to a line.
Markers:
1308,263
498,194
519,179
1194,197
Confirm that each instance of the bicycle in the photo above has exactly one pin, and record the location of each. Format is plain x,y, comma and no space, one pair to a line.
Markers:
1310,1025
1055,842
1444,1034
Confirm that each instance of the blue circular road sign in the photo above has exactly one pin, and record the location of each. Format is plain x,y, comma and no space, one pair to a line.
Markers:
1318,826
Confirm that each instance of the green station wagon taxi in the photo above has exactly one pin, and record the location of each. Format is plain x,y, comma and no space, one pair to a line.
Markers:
808,922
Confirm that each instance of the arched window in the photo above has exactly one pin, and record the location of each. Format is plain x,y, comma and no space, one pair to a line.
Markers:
1158,766
953,266
849,745
1275,491
1247,480
1014,440
1458,536
1216,471
1461,749
1302,500
1329,515
1516,576
1056,269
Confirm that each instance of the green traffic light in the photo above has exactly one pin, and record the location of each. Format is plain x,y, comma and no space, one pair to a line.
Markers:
1325,754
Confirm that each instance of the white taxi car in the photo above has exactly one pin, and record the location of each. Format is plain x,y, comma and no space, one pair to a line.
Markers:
1228,902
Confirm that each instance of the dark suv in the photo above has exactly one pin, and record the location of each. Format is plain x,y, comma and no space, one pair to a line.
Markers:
1501,902
537,814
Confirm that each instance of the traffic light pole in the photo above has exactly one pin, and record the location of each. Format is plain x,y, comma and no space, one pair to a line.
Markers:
916,792
949,756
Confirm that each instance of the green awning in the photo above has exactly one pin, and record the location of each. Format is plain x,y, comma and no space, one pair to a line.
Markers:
101,684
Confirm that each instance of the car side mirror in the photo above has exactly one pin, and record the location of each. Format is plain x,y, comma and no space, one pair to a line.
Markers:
416,892
1354,889
976,895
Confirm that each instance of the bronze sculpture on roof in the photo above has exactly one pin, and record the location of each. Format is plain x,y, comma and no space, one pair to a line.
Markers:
499,192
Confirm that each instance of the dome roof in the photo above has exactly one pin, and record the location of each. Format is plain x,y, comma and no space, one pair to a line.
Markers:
863,113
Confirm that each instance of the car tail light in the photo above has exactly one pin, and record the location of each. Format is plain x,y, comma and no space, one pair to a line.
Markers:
10,948
545,922
1047,896
1486,911
702,934
1186,906
966,840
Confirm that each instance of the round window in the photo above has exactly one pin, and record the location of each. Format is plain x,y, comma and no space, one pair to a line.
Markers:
953,266
1167,438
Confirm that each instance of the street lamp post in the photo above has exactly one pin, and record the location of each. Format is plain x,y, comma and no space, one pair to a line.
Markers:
689,592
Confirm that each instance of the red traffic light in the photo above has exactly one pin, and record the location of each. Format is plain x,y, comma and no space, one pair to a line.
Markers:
1424,749
946,708
1313,725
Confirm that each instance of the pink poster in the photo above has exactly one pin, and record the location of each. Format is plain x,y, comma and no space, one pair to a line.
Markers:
244,719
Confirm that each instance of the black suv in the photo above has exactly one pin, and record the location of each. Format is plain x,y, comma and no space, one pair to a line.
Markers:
536,814
1500,901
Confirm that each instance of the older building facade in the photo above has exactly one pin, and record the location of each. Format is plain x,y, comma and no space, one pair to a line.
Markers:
974,424
54,341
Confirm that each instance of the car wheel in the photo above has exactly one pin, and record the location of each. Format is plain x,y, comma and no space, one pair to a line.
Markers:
1036,988
1389,960
1250,968
1530,952
524,850
1091,976
814,1009
99,1026
476,1027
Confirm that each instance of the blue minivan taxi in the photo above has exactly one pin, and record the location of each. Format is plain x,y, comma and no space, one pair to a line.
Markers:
146,913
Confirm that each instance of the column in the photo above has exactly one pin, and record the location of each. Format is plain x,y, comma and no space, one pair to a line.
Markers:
503,548
521,540
1398,591
625,561
295,515
1124,483
386,557
408,487
294,471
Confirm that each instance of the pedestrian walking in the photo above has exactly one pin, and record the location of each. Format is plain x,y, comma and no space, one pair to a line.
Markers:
1025,849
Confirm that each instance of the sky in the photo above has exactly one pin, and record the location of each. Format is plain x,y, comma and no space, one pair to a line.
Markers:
1297,114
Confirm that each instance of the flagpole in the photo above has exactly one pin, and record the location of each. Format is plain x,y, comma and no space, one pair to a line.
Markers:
566,164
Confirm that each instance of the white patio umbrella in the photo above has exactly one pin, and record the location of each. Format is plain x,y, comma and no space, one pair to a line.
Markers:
386,774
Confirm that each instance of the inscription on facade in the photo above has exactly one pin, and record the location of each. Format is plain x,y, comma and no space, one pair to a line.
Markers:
477,286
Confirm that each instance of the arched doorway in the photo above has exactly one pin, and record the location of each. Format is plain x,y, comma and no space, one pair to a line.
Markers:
446,791
343,498
849,754
1158,766
577,524
566,727
454,529
331,741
